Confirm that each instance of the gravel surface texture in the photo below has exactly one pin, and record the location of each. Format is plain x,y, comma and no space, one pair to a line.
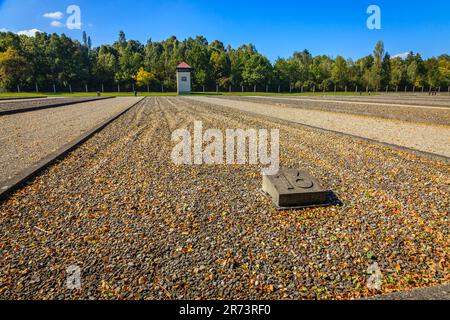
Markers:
12,99
410,113
27,138
140,227
414,100
432,293
26,104
422,137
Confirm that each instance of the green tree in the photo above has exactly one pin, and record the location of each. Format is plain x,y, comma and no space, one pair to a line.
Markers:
386,70
339,73
415,70
130,58
221,68
106,64
444,69
364,68
376,75
398,72
321,70
198,56
58,59
284,72
301,65
434,75
257,70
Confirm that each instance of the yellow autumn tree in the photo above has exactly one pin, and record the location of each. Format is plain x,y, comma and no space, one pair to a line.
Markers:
13,68
143,77
444,68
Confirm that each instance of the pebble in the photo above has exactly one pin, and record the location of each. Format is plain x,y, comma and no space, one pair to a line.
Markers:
121,238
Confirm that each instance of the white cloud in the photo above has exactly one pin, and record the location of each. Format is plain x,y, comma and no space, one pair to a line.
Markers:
403,55
56,24
58,15
29,33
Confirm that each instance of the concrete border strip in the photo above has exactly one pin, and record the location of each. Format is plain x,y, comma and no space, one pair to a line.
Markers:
3,99
62,104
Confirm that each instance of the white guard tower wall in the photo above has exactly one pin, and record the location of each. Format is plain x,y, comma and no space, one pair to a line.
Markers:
184,79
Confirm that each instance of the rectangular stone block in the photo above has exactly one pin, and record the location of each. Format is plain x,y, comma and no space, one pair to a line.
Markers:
294,188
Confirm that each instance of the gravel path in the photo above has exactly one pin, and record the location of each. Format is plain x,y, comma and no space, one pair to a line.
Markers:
412,100
430,294
382,103
140,227
33,103
422,137
433,115
26,138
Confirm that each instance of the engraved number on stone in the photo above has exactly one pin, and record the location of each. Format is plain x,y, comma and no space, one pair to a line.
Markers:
302,182
288,184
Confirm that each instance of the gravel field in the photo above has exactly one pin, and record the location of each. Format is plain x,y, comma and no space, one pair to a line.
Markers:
27,138
428,138
25,104
418,100
140,227
435,115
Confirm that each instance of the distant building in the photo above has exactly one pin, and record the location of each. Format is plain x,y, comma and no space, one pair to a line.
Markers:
184,78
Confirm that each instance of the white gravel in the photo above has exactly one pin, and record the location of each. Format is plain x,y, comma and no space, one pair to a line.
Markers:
27,138
403,104
422,137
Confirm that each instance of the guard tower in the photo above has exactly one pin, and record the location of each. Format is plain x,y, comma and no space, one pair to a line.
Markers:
184,78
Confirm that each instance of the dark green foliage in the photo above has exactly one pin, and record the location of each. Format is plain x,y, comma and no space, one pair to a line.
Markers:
57,59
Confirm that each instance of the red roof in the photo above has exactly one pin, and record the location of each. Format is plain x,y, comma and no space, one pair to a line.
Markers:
184,65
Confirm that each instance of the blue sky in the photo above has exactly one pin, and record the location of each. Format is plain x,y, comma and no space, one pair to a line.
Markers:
276,28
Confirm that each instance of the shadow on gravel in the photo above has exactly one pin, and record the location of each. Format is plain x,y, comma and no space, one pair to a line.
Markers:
334,199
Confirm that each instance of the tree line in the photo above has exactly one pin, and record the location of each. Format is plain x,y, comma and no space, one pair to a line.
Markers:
46,60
